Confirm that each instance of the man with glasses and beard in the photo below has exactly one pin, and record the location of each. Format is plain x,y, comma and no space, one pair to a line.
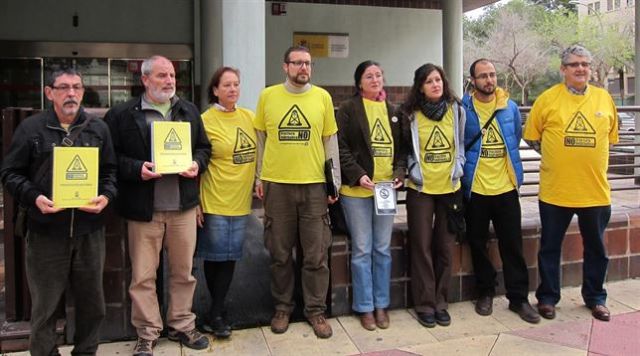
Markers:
65,248
296,131
492,175
160,209
572,125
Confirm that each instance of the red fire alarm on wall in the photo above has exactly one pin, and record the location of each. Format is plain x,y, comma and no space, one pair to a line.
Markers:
278,8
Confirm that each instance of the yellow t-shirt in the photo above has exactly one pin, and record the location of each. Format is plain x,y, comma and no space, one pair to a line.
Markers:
381,146
437,154
295,125
227,183
491,176
575,133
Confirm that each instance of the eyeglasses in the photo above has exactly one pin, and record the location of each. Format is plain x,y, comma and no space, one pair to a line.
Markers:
67,88
578,64
486,75
299,64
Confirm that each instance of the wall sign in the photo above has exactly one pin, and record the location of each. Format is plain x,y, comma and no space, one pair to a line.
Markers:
332,45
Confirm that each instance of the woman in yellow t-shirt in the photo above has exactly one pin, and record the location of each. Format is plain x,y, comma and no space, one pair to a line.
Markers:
368,137
433,132
225,190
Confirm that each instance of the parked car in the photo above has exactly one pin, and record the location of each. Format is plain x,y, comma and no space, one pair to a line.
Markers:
626,126
626,122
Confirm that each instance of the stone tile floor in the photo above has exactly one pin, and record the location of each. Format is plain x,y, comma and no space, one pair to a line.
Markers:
573,332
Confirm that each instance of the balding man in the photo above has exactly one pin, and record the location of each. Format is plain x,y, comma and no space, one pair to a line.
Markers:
160,209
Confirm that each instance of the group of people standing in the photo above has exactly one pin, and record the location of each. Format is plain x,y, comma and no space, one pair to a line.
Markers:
454,153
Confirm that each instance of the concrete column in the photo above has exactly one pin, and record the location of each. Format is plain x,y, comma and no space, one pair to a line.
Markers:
452,43
232,33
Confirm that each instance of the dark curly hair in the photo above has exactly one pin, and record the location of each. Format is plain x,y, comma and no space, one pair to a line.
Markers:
416,95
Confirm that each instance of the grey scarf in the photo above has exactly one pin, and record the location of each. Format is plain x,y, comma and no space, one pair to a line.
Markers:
434,111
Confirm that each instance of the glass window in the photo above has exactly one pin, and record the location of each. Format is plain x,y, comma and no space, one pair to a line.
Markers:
616,4
95,77
107,81
20,82
609,5
126,82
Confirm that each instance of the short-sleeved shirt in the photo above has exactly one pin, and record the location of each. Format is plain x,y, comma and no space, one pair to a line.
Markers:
295,125
575,132
227,183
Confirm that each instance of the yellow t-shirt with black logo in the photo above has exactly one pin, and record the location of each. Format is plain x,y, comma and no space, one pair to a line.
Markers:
492,175
575,133
227,183
381,146
295,125
437,154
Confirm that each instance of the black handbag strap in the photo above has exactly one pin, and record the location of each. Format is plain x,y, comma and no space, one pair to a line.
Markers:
67,141
479,134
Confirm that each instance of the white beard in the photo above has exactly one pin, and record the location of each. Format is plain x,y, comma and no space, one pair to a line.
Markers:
161,95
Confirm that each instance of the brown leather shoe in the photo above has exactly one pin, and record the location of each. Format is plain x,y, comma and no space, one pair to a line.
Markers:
368,321
547,311
382,318
320,326
601,312
525,311
484,305
280,322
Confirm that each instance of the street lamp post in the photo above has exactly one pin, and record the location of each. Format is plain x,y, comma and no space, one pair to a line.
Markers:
636,66
590,11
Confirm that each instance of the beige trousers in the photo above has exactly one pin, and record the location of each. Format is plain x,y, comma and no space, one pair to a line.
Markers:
175,231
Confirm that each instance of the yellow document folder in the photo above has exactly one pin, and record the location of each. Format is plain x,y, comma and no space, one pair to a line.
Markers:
75,176
171,146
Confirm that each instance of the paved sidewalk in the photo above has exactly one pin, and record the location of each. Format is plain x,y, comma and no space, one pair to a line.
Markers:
573,332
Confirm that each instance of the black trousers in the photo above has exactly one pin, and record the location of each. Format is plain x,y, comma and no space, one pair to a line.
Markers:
55,263
503,211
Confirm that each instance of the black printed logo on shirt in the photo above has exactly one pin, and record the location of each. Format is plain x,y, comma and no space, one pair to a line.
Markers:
294,126
244,150
380,140
492,143
579,132
437,147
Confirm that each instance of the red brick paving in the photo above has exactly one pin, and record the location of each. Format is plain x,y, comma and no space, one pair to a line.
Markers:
620,336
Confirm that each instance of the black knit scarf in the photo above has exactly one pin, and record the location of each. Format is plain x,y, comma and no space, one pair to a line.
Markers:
433,111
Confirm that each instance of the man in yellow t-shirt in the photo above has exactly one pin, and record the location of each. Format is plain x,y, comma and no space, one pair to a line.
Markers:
492,175
572,125
296,130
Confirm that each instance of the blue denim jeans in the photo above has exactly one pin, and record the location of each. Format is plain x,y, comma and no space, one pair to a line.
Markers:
370,253
592,222
221,237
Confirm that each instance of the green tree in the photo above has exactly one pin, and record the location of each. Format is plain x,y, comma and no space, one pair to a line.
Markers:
513,45
525,39
554,5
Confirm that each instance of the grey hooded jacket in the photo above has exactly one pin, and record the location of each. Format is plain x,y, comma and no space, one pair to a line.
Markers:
413,160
